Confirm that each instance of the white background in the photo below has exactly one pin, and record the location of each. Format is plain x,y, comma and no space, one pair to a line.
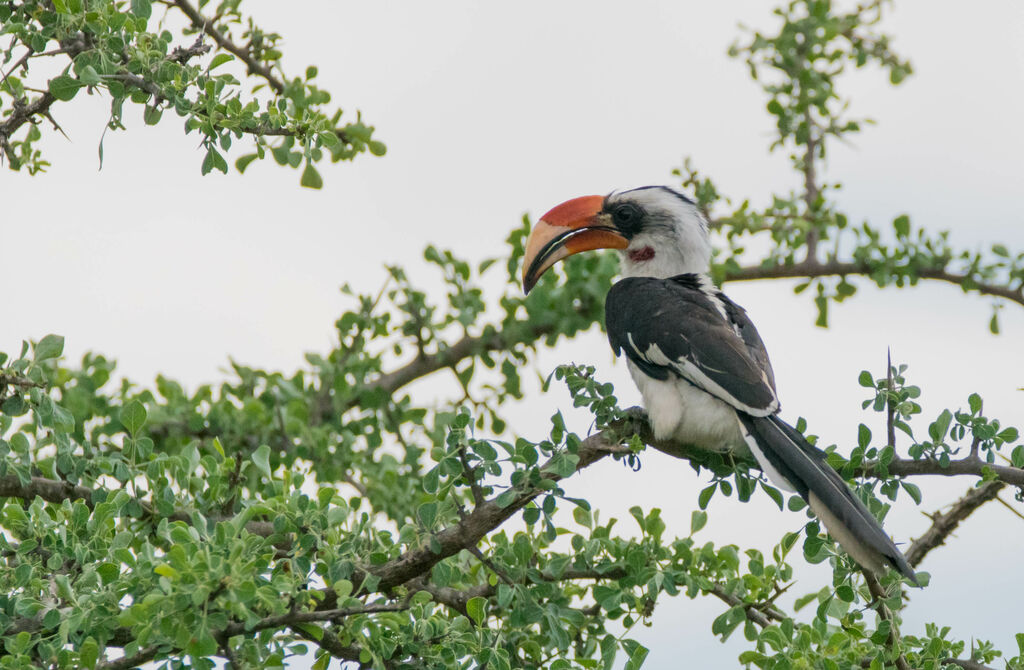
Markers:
491,110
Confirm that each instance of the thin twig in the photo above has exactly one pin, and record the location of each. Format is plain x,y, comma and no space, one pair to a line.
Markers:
489,564
893,641
470,474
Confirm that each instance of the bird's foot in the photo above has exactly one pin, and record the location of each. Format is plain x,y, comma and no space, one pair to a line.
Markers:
634,421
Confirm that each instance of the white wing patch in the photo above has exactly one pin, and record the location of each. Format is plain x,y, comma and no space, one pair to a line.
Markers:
774,476
657,356
694,374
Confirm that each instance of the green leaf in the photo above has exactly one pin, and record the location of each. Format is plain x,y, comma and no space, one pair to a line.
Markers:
882,634
261,458
697,520
151,115
343,588
506,497
430,481
774,494
220,59
203,645
142,8
705,496
89,76
902,225
64,87
50,346
866,380
637,654
428,513
213,160
821,302
475,609
311,178
133,416
243,162
166,570
914,490
88,653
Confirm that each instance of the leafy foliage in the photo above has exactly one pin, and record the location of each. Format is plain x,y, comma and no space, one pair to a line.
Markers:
111,48
336,511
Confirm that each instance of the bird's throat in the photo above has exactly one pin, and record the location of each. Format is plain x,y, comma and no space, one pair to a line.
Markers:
640,255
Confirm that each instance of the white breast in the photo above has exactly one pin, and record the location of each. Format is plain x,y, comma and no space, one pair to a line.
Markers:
679,411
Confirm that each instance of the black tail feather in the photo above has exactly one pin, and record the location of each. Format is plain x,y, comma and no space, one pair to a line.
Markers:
805,469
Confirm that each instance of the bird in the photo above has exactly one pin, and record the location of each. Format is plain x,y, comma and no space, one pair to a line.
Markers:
700,365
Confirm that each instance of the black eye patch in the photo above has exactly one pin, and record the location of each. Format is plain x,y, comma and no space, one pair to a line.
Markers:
628,217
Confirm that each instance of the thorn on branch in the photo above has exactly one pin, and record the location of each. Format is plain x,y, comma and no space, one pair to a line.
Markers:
890,409
183,54
943,525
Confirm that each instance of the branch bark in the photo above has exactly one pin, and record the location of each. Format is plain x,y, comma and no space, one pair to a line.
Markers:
905,467
810,270
56,491
485,518
943,525
204,24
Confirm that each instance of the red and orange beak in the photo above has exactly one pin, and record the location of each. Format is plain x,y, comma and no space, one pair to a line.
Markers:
574,226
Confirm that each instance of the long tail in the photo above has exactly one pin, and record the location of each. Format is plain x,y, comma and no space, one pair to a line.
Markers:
788,459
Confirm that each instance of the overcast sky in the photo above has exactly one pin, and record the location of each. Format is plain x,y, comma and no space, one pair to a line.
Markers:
493,110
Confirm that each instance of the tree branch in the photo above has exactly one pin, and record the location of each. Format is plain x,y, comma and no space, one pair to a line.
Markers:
893,640
313,616
905,467
760,615
484,518
22,113
141,657
55,491
943,525
292,620
809,270
811,190
421,366
966,664
330,643
204,24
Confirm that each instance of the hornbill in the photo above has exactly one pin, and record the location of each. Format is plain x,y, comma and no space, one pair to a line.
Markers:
697,359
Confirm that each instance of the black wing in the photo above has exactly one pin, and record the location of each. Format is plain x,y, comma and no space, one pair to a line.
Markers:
755,347
681,327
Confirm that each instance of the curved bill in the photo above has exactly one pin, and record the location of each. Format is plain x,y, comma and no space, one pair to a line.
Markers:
574,226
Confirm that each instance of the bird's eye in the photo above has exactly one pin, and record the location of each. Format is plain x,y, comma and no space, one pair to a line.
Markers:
627,218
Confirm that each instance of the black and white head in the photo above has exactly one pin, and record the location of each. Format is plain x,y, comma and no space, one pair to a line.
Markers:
659,232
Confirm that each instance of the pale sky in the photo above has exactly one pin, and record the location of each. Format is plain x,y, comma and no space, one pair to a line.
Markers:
490,111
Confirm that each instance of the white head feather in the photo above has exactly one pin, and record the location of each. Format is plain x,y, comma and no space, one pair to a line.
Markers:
672,227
